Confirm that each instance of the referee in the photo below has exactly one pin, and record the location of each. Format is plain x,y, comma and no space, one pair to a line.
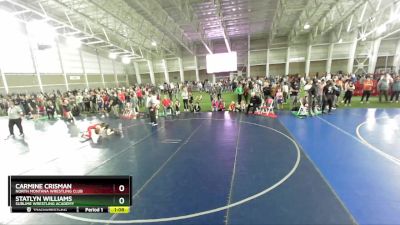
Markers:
15,118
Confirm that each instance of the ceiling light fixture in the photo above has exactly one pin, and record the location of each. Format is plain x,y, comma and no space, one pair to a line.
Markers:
112,55
381,29
306,26
126,60
153,43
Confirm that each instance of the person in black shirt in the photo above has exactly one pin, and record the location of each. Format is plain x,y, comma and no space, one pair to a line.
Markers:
267,90
312,94
255,102
294,91
328,96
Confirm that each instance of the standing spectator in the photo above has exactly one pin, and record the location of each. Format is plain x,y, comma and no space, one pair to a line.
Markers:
349,89
285,89
50,109
185,97
278,98
15,114
383,87
312,94
395,89
239,92
153,105
329,95
255,102
294,92
367,89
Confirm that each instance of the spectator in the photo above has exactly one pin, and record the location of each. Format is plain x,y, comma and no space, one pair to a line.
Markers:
255,102
383,87
15,114
239,92
349,89
329,93
167,104
395,89
367,89
185,98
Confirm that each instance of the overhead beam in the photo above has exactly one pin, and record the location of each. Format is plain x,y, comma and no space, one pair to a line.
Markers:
169,27
137,73
186,11
220,15
281,8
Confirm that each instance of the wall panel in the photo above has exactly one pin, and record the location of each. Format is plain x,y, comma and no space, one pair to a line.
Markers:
190,75
95,81
48,61
276,69
175,76
173,65
257,71
297,68
91,63
319,52
71,59
145,78
277,55
203,75
339,65
317,67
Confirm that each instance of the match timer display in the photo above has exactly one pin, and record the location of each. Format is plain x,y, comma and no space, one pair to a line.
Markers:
79,194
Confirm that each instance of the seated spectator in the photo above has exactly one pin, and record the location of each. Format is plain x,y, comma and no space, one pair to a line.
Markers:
214,104
255,102
177,107
242,106
221,105
232,107
50,109
166,102
196,107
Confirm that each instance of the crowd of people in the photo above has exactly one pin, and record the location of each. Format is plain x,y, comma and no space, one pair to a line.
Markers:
322,93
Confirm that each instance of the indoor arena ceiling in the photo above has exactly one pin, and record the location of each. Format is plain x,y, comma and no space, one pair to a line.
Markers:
167,28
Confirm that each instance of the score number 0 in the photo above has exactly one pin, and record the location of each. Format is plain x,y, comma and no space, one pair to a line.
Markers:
121,200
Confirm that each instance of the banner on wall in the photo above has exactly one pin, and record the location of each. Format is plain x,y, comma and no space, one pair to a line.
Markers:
74,77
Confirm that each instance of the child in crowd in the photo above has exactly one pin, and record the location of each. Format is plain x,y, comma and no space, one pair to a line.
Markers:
242,106
232,107
177,106
196,107
214,104
221,105
349,89
279,98
67,111
167,105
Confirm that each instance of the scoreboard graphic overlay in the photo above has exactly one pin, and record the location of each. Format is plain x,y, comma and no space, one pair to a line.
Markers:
70,194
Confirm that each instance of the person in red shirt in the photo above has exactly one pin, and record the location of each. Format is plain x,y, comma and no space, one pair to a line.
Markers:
121,97
139,95
368,84
166,102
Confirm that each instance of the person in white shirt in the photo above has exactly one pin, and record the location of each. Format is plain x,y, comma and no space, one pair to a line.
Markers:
185,98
